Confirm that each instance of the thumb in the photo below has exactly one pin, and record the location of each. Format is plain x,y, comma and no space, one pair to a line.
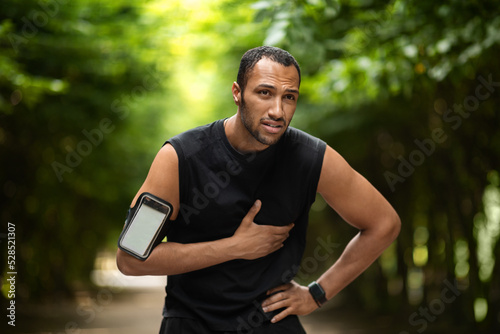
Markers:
254,210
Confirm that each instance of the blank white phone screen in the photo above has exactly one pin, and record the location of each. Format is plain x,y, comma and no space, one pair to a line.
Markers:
143,228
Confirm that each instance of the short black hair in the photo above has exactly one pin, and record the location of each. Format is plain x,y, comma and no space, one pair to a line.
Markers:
252,56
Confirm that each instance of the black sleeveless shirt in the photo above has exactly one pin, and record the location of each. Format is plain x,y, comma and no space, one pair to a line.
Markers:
218,185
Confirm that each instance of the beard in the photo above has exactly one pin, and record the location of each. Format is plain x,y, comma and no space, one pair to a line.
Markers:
248,121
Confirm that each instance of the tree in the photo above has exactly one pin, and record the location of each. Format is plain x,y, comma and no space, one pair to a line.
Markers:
73,75
406,90
88,94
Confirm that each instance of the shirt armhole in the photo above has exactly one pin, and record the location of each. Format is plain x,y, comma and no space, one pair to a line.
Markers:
316,170
182,165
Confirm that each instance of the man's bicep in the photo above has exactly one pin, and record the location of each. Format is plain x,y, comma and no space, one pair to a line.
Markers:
163,178
349,193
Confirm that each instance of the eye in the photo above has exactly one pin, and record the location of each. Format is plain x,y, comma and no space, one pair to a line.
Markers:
264,92
290,97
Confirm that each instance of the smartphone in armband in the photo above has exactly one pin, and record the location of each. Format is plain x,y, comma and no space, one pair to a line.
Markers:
145,226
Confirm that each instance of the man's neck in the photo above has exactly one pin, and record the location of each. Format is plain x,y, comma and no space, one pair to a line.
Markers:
239,137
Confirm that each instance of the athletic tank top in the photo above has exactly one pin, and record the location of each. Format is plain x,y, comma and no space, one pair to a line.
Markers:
218,185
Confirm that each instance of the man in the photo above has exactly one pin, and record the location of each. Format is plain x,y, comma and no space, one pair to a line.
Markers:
241,190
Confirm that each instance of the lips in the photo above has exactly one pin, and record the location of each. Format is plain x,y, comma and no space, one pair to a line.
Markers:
272,126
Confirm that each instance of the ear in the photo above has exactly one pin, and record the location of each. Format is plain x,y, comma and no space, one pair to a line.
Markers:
236,93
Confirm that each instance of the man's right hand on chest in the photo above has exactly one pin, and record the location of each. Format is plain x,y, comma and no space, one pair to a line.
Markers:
252,241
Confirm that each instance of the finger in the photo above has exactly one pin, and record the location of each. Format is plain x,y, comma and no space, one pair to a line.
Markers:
278,239
273,299
282,315
275,246
283,229
254,210
278,288
273,306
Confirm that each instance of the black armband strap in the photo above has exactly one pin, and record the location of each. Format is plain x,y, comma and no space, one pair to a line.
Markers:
146,225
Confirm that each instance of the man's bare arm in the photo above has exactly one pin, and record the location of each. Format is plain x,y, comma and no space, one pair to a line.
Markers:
362,206
250,240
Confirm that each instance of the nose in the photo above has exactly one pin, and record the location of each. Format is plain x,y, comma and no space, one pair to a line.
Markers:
276,109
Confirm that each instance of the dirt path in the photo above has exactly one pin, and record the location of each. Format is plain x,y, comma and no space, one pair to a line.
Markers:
131,305
132,311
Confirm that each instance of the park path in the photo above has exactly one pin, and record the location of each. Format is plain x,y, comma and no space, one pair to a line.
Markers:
138,311
134,306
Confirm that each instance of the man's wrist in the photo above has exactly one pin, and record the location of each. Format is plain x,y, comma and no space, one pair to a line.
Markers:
317,293
229,249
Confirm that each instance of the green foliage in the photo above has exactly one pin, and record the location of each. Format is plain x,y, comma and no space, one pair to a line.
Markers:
406,91
88,94
71,93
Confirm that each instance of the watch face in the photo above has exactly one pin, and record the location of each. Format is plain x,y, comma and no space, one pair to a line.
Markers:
318,293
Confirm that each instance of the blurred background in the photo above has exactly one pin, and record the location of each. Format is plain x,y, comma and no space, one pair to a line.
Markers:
407,91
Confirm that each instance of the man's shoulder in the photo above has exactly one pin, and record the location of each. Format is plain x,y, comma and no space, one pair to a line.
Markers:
301,139
199,131
195,139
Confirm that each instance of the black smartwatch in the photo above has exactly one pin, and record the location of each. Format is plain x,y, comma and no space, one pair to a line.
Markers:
317,293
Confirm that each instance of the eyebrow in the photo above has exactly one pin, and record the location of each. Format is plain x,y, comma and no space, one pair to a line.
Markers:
289,90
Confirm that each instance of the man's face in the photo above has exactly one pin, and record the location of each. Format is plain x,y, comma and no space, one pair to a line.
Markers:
269,100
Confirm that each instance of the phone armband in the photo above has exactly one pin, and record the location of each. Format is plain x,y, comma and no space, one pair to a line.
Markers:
146,225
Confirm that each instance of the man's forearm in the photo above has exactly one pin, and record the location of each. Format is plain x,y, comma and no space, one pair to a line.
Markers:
250,241
359,254
172,258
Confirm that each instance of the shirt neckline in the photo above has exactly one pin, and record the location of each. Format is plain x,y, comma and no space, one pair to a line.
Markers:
248,157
